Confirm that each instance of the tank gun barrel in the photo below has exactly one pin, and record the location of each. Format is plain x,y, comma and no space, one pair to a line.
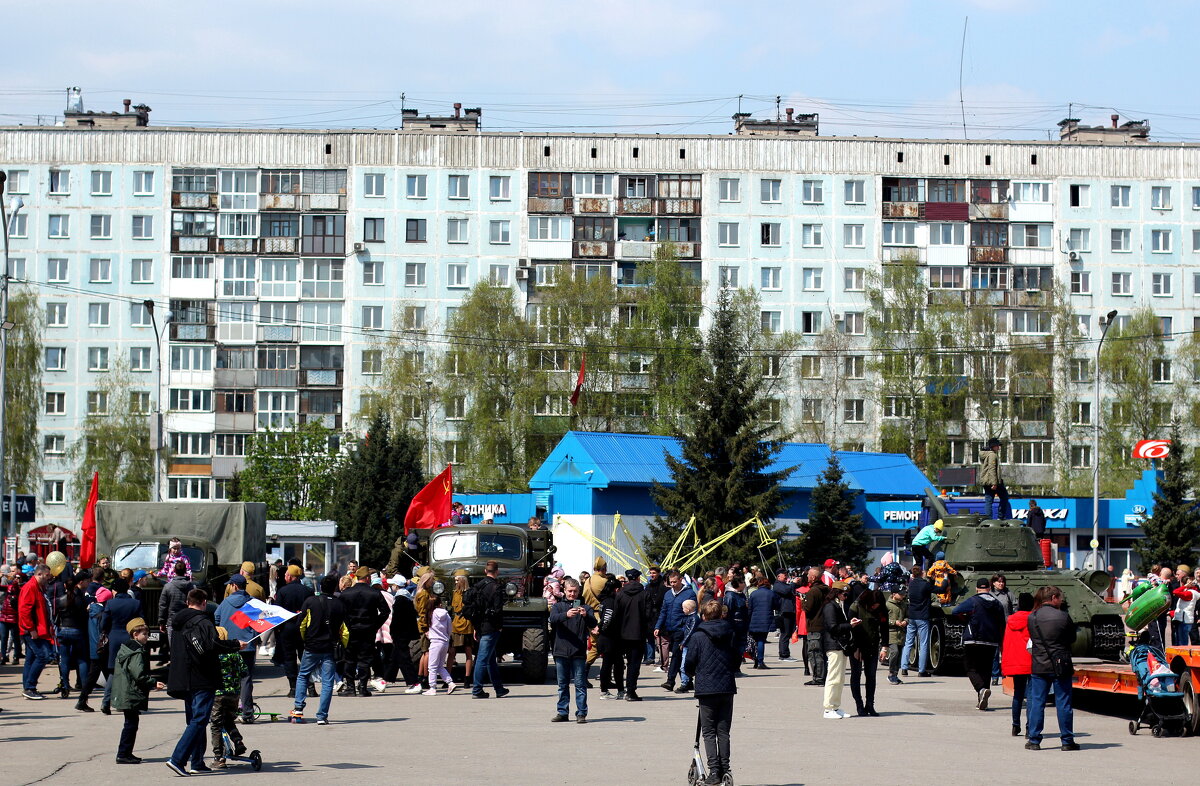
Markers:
935,502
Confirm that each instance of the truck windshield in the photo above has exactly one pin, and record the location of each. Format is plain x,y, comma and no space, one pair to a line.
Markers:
150,556
453,545
467,545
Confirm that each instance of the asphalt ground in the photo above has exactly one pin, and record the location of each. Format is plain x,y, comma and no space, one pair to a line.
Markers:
929,731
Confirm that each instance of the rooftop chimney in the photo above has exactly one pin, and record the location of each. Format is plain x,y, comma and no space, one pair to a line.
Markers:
1115,118
789,111
458,110
127,102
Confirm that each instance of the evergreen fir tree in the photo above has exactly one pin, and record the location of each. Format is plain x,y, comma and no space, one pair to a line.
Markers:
1173,532
834,529
375,486
722,478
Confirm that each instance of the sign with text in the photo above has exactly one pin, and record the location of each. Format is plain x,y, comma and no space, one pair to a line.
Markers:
25,508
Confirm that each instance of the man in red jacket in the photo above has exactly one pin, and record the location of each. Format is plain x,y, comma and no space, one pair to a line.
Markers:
37,630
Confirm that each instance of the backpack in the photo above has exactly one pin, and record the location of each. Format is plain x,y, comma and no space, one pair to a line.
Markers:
608,613
474,605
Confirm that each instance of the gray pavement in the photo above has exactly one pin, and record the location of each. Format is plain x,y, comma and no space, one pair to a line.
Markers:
929,730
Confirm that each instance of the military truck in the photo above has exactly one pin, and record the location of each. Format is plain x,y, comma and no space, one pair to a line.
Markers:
523,557
977,547
217,537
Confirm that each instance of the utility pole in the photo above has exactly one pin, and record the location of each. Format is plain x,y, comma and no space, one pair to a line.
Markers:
1105,323
5,327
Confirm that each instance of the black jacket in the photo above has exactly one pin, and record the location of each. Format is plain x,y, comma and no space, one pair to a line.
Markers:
291,597
786,591
571,633
655,590
195,651
1036,520
173,599
492,597
321,625
1052,633
837,633
365,607
763,604
739,613
118,612
814,601
634,620
713,653
920,595
404,620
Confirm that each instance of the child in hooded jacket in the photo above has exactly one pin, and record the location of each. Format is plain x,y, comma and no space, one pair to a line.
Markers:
132,683
439,644
1015,660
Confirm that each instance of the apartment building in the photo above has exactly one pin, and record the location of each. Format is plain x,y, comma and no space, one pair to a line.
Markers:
274,261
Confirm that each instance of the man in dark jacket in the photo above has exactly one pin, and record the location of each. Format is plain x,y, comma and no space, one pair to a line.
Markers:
656,588
1051,634
1035,519
404,632
738,615
173,600
713,652
786,591
366,611
633,624
194,676
573,622
981,639
813,602
920,598
488,625
291,596
322,628
670,622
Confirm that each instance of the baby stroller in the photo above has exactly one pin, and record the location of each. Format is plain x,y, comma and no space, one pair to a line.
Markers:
1163,709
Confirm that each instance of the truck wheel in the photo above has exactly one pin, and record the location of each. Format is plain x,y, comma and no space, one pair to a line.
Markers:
534,655
937,647
1187,687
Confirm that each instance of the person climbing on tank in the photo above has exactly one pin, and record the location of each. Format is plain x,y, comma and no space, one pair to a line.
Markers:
942,574
931,535
992,479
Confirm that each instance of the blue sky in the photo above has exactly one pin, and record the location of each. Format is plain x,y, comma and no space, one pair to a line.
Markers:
869,67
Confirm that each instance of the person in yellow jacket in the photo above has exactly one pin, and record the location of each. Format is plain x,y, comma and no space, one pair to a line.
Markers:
591,596
942,574
253,588
462,632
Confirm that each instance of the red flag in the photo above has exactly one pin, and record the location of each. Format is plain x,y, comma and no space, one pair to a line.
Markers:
87,548
431,506
579,381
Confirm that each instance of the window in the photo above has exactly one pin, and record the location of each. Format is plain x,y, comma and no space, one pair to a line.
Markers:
373,184
54,445
498,275
1080,369
56,359
1119,196
139,358
812,410
238,225
812,235
373,230
372,273
499,188
1160,284
852,236
323,279
945,234
549,228
1031,322
101,226
56,314
769,190
414,317
18,181
591,185
946,277
456,275
143,183
1031,236
190,444
97,358
813,192
1033,278
372,317
810,367
1160,240
728,277
414,274
59,227
854,323
372,362
1160,370
897,233
191,358
499,232
1081,456
1081,413
770,234
456,230
99,270
414,230
143,227
1079,240
60,182
1120,240
191,267
854,366
458,187
54,492
854,192
1122,283
1035,453
56,403
416,186
1080,196
1031,192
813,279
727,233
193,224
239,189
772,366
729,189
233,444
770,321
194,180
810,322
277,278
238,279
276,409
1081,282
98,314
101,182
853,410
97,402
1160,197
188,488
18,225
854,279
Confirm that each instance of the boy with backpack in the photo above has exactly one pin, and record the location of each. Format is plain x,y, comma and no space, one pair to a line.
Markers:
225,707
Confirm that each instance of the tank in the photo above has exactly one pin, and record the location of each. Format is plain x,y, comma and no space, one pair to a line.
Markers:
981,547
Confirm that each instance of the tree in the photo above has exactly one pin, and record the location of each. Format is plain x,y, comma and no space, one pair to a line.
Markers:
23,383
114,440
1173,532
294,472
834,530
375,485
722,479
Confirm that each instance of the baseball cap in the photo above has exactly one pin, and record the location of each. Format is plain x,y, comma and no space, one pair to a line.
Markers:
829,563
398,580
983,584
138,575
633,574
238,580
248,566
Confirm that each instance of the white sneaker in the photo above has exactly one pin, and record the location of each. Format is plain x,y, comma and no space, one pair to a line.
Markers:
834,715
430,692
657,668
378,684
450,688
414,689
337,686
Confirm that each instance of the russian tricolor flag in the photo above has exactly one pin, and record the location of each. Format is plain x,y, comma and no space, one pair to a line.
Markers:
260,617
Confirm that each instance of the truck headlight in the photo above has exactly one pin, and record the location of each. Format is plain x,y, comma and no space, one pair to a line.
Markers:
438,588
510,589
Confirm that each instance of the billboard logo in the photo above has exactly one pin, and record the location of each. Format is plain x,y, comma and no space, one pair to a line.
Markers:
901,515
1052,514
1152,449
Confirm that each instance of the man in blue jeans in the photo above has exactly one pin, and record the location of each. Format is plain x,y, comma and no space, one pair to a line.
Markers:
1051,634
670,623
37,630
487,628
573,621
322,627
920,597
195,673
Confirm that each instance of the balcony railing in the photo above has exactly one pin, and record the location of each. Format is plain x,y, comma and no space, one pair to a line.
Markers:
643,249
989,211
601,205
183,331
202,245
904,210
277,378
679,207
324,377
549,205
593,249
286,334
989,254
635,206
277,245
236,245
193,201
279,202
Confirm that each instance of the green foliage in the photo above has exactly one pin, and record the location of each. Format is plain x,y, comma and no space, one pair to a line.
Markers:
1172,534
727,447
115,443
376,483
295,473
834,530
23,391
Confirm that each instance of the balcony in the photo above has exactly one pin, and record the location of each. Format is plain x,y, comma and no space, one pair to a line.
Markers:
236,332
946,211
635,206
329,420
194,245
284,334
679,207
233,378
594,205
324,377
193,201
1034,428
183,331
548,205
642,249
593,249
277,245
236,245
988,254
279,202
989,211
278,377
988,297
235,422
904,210
1031,256
946,296
228,466
324,202
904,254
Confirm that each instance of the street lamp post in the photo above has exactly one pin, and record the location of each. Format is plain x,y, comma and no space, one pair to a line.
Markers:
1105,322
156,426
5,327
429,426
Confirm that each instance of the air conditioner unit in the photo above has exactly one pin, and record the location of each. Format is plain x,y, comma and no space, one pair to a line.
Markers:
839,317
360,248
1073,256
523,263
522,273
